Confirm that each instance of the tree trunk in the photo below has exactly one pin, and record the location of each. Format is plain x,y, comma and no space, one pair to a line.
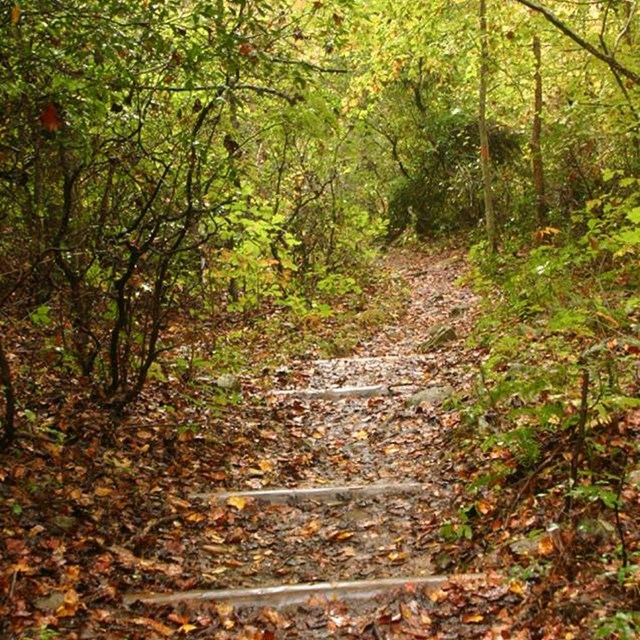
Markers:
9,401
485,157
536,150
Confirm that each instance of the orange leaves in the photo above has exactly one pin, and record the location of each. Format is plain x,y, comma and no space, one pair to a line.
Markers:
248,51
545,234
15,14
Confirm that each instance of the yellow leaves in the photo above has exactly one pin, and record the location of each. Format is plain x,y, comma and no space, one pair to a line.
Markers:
311,528
263,466
196,517
391,449
238,502
397,556
546,233
611,320
437,596
103,492
70,605
21,567
472,618
320,432
361,435
76,494
517,587
339,536
225,611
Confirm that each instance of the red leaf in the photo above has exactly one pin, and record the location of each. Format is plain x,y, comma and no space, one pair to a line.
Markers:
50,118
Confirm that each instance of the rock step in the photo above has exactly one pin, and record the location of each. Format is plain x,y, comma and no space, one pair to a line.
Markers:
342,393
344,492
325,362
292,594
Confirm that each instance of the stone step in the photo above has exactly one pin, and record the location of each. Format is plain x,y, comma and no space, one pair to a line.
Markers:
342,393
324,362
343,492
292,594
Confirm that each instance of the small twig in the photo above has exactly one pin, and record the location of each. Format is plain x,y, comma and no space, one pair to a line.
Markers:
12,589
151,525
621,536
578,434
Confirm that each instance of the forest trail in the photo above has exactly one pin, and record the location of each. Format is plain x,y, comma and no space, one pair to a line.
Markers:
314,508
346,538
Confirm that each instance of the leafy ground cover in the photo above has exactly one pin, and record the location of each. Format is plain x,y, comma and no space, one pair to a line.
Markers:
97,506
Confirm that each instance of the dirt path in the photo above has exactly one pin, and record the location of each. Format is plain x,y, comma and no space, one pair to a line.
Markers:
322,515
364,476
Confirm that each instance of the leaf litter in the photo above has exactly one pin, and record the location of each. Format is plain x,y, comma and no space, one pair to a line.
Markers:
87,520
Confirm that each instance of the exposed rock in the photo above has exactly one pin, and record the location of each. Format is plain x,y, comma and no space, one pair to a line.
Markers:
458,310
228,382
337,393
595,530
438,335
431,395
527,546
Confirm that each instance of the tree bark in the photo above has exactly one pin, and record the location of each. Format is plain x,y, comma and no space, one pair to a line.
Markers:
8,421
536,150
485,157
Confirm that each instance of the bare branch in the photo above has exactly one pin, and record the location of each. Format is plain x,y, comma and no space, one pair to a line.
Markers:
609,60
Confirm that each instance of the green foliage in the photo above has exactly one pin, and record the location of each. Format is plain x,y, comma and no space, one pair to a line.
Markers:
621,625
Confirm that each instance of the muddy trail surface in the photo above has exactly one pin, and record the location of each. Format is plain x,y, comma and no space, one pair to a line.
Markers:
317,512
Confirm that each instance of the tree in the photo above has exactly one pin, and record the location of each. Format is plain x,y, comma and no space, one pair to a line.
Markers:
485,157
536,130
8,418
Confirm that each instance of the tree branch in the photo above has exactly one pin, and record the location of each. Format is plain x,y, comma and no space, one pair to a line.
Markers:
609,60
220,89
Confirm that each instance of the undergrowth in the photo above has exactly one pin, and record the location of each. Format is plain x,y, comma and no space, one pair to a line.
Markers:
557,412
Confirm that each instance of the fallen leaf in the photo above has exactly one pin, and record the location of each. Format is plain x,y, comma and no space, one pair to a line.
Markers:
224,609
310,528
471,618
239,502
70,606
340,535
158,627
196,517
545,546
517,587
